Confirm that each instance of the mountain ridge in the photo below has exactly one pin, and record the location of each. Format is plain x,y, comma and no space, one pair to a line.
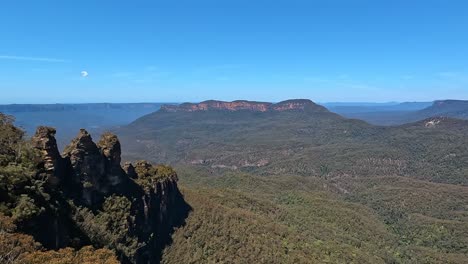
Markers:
298,142
439,108
240,105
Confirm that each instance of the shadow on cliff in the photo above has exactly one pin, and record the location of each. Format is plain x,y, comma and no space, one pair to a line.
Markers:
92,194
177,220
170,214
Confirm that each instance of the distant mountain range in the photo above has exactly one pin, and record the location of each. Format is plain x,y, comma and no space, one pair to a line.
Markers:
98,117
287,182
69,118
351,108
448,108
243,105
295,137
19,108
406,112
313,186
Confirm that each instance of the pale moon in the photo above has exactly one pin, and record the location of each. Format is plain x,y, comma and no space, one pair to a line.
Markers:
84,74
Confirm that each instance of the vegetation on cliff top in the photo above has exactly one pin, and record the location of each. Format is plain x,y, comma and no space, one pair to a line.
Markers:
240,217
301,142
43,221
313,186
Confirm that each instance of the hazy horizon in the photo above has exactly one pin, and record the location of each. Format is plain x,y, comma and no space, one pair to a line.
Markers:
241,99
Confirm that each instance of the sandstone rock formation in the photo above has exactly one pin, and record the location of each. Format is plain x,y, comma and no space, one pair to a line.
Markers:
91,176
44,141
295,104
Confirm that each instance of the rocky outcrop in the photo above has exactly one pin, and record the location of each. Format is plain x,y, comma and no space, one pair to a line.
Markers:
218,105
44,141
241,105
130,170
88,170
160,194
109,146
51,166
90,175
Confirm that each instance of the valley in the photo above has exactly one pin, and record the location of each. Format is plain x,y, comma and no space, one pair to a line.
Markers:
306,181
234,132
287,182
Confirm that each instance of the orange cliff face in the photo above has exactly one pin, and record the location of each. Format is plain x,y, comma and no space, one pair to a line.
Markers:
218,105
298,104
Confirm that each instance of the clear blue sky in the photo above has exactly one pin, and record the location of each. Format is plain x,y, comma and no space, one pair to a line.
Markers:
194,50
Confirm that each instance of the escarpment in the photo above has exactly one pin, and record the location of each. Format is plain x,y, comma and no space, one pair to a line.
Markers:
132,210
242,105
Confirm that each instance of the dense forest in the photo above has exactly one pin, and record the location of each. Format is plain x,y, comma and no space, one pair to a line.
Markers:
306,186
266,183
82,206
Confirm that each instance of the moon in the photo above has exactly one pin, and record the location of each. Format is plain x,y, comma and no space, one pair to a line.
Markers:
84,74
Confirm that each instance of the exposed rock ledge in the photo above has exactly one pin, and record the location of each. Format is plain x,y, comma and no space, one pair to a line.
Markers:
88,173
295,104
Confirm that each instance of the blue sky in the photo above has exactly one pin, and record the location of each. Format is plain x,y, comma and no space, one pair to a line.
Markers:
176,50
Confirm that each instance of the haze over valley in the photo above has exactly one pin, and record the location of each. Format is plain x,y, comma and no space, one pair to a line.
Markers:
231,132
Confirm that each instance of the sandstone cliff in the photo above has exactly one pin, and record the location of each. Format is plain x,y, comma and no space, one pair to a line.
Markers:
295,104
132,210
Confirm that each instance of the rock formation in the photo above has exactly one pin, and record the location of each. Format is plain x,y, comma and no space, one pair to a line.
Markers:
44,141
296,104
91,176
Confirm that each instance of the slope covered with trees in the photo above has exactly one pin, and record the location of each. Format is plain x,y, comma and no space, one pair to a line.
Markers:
303,141
82,207
240,217
305,185
267,183
441,108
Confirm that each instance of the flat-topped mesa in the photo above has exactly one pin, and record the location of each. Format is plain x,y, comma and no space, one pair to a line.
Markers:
239,105
218,105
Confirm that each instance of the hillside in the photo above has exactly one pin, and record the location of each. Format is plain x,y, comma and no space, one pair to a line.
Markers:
239,217
82,206
447,108
307,140
441,108
304,185
268,183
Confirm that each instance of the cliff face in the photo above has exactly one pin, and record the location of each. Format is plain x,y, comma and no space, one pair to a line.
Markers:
132,210
44,140
218,105
296,104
